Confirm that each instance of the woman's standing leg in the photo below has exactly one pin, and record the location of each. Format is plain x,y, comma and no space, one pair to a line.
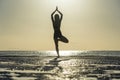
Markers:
56,45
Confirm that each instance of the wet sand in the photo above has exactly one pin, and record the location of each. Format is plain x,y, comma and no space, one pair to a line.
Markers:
63,68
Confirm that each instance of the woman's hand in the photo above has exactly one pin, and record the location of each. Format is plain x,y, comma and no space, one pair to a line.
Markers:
56,8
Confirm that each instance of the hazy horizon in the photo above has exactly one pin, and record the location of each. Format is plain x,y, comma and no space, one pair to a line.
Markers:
89,25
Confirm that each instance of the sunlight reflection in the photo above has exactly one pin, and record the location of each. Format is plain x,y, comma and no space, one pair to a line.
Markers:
65,53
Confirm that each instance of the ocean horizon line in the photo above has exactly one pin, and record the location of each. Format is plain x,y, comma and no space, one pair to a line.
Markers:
59,50
62,53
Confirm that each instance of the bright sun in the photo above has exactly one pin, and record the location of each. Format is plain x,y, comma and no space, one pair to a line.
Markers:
63,3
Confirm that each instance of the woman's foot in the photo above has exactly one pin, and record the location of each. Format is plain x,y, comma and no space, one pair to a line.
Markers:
58,56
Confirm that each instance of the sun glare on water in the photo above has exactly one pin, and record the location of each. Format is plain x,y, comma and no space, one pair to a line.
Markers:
64,52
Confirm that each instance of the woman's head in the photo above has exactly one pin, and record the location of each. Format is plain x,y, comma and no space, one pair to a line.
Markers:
56,17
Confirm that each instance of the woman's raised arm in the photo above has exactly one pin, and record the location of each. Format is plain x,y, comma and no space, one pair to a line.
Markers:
52,15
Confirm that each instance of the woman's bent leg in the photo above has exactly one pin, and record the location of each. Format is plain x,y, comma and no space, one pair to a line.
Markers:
64,39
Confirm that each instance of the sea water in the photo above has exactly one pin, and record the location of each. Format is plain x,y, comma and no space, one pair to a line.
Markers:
62,53
72,65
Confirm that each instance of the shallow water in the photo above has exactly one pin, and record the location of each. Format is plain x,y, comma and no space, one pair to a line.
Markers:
64,68
87,67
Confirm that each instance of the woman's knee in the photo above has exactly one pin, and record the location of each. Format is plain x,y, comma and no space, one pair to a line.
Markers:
64,39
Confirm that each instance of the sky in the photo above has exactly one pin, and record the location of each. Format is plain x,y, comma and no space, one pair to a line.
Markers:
88,24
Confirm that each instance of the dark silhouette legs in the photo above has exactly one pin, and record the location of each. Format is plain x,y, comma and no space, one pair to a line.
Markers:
56,39
56,46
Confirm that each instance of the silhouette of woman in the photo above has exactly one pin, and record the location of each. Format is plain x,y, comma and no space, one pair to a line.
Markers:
56,20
